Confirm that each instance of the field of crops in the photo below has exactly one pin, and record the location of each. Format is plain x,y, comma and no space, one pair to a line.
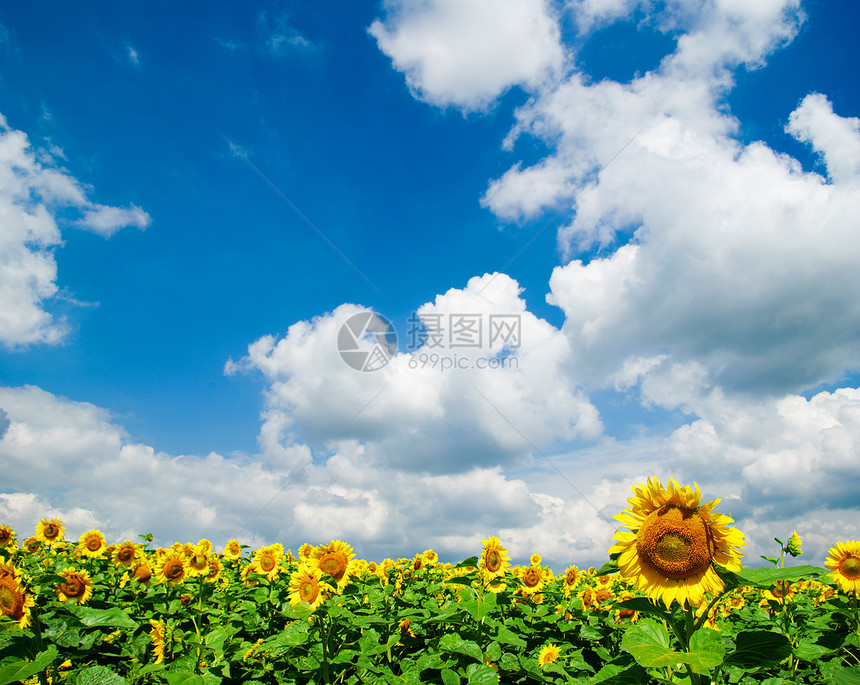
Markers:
90,613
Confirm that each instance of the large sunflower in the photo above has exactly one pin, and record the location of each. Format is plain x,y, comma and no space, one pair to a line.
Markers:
843,560
92,544
334,560
78,585
172,567
673,543
7,537
494,559
14,602
306,585
50,531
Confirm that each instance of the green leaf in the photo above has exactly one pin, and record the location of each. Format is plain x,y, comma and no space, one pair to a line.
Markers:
608,568
643,606
648,642
764,578
451,642
755,648
184,678
22,669
622,671
481,674
508,637
772,560
810,651
706,649
847,676
468,563
110,618
450,677
97,675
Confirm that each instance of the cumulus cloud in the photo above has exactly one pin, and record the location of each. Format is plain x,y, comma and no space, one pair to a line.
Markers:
32,188
468,52
835,138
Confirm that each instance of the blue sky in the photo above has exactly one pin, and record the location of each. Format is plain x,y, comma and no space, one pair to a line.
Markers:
195,199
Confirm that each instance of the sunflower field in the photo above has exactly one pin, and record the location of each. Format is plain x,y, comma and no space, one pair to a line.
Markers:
673,604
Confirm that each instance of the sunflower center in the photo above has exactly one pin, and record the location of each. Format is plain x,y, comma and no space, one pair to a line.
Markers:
73,587
125,554
267,563
8,600
308,591
173,570
94,544
51,531
5,537
676,542
570,577
334,565
850,567
199,562
493,561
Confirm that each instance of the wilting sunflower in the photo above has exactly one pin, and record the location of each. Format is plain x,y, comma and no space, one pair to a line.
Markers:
843,560
172,567
232,550
92,544
14,602
50,531
78,585
674,542
494,559
7,537
334,560
306,585
548,654
124,554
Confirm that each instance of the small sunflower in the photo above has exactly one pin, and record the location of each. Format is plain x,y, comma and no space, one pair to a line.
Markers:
92,544
31,545
674,543
535,559
124,554
533,579
494,559
172,568
158,635
205,545
215,569
306,585
232,550
843,560
267,560
334,560
198,561
571,578
7,537
430,556
78,585
548,654
143,573
50,531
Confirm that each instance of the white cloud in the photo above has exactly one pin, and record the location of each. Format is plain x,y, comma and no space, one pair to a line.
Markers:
32,188
468,52
835,138
132,54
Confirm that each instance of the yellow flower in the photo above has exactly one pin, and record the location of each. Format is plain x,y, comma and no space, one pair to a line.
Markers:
143,573
158,634
844,563
306,585
430,556
333,559
31,544
232,550
215,569
14,602
794,545
78,585
548,654
92,544
533,579
172,567
50,531
571,578
198,561
536,559
125,554
674,542
7,537
494,559
267,560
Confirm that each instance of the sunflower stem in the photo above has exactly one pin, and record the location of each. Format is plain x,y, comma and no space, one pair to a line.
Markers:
37,631
690,628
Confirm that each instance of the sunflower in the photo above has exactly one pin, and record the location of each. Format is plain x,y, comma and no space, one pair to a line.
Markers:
205,545
430,556
198,561
571,578
232,550
535,559
267,560
333,559
50,531
843,560
494,559
305,551
215,569
14,602
533,579
548,654
124,554
31,545
674,542
158,635
143,573
306,585
172,568
7,537
92,544
78,586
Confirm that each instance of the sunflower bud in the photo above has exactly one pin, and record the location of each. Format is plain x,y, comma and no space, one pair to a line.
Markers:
793,546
